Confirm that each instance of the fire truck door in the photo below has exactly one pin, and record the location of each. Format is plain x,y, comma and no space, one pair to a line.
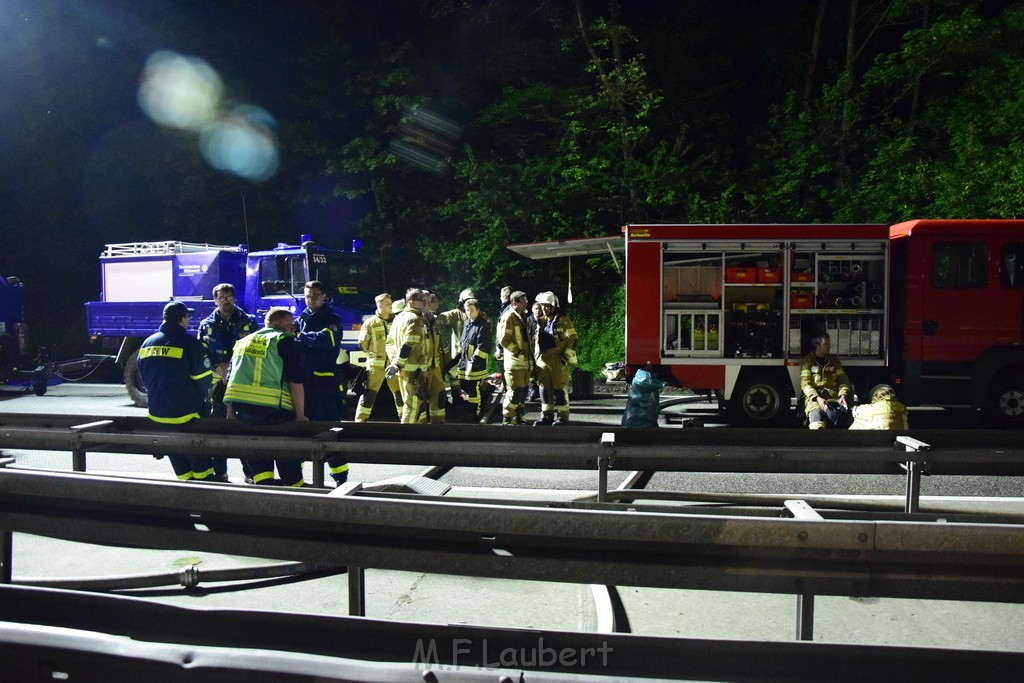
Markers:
960,295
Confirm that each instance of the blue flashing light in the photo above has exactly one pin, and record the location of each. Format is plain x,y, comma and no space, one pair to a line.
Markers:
357,246
305,238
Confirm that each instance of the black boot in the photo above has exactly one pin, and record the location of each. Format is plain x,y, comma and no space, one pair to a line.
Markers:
545,421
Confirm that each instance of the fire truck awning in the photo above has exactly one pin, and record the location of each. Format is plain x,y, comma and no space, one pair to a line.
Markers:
583,246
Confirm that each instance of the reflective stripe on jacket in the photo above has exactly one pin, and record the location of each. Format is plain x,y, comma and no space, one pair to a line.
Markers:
257,372
476,347
885,414
373,337
515,340
823,377
176,370
408,335
562,333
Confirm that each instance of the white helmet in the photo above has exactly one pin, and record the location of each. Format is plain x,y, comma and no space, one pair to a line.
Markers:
398,306
547,298
466,294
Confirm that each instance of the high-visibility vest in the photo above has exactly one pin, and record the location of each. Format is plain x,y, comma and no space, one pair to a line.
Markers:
257,372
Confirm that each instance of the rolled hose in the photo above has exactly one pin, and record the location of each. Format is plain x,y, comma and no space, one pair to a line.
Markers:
187,577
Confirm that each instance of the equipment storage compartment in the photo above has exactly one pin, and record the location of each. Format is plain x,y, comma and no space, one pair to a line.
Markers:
754,306
847,301
691,295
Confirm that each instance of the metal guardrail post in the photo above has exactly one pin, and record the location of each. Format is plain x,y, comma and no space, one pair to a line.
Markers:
6,556
356,591
804,600
78,463
607,441
317,455
914,469
805,616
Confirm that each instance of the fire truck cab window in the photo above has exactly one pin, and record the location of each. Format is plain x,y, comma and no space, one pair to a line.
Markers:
1012,271
960,265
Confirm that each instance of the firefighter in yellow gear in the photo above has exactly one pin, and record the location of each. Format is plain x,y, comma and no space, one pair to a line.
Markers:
373,341
884,411
555,351
825,386
408,350
452,323
517,357
438,358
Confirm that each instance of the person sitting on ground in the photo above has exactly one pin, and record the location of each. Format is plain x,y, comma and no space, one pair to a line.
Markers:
825,386
884,412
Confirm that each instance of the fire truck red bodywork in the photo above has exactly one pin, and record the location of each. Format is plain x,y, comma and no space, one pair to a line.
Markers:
931,306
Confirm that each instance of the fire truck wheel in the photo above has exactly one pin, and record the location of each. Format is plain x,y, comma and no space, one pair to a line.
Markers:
1006,403
133,381
760,400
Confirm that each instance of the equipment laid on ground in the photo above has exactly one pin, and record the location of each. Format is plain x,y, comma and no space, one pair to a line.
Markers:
931,307
139,278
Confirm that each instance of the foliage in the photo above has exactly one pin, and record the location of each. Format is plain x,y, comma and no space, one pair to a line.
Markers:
602,331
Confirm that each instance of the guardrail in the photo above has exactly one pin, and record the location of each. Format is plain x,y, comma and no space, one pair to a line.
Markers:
61,635
805,556
582,448
939,452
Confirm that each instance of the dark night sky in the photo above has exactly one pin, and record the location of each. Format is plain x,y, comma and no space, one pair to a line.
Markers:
81,164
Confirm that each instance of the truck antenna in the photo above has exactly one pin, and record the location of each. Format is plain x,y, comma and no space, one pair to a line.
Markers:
245,221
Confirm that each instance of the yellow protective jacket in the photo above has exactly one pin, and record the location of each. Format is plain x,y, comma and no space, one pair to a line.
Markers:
407,345
515,340
563,332
452,323
373,338
887,413
823,377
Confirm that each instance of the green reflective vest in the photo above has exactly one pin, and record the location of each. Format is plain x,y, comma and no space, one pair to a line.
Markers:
257,372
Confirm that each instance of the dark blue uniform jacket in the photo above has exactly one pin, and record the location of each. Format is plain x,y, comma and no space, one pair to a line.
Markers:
176,369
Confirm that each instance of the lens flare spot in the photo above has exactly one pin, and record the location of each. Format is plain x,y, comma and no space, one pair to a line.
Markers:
179,91
242,143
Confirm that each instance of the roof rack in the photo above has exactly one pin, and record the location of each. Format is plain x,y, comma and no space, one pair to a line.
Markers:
162,248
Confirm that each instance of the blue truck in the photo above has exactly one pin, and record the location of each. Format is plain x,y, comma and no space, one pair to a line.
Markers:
16,367
139,278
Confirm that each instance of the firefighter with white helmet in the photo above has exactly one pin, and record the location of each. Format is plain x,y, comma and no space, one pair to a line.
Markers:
452,322
555,351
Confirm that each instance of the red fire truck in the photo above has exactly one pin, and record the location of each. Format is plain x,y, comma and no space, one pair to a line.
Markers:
933,307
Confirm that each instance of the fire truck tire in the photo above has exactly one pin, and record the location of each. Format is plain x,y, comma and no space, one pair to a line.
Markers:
1006,402
39,388
760,399
133,381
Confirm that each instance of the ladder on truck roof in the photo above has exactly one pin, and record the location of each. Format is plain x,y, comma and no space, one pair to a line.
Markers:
162,248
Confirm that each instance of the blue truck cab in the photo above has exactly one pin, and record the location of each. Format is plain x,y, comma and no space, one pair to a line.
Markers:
139,278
